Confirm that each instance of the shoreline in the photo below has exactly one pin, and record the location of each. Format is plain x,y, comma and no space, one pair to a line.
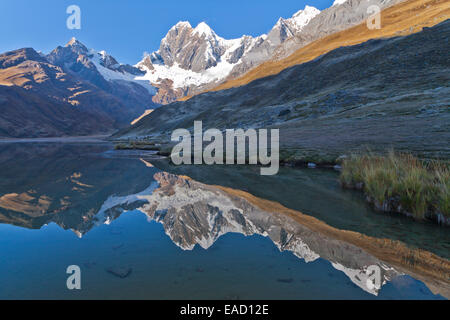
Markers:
424,265
332,161
163,150
71,139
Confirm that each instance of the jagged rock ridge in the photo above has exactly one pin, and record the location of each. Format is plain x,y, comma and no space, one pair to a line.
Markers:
192,60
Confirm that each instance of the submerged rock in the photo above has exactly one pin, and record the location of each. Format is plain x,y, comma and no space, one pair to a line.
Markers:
120,272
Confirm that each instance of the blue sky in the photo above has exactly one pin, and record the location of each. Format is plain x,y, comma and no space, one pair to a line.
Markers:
126,29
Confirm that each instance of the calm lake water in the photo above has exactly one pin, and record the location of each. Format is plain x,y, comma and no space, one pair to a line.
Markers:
82,204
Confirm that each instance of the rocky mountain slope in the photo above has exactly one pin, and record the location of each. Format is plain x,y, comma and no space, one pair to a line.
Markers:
33,115
401,19
192,60
383,93
62,87
342,15
103,71
71,91
191,57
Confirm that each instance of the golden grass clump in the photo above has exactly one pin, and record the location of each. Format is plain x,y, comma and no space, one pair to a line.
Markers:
400,182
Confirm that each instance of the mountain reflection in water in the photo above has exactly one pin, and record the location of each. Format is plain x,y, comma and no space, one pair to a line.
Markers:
87,189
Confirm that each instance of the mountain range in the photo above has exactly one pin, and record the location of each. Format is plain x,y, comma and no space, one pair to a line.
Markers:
192,60
383,93
76,195
70,91
74,90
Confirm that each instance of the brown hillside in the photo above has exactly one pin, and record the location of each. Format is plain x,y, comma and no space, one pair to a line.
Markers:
402,19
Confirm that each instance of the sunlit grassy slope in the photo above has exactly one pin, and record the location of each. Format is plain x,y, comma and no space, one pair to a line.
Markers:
402,19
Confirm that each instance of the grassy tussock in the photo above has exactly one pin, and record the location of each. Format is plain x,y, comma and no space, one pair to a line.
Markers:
400,182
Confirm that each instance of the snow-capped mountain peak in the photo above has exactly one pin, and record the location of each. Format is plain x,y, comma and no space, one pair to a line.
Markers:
194,57
96,66
303,17
76,46
72,41
107,61
338,2
182,24
192,60
288,28
111,70
202,29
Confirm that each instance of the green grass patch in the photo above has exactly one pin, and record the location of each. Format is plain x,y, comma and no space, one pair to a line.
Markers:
400,182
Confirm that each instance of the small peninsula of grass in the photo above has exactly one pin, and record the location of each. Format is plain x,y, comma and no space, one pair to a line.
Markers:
401,183
137,145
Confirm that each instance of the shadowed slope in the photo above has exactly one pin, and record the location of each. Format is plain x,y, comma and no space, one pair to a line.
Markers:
382,93
401,19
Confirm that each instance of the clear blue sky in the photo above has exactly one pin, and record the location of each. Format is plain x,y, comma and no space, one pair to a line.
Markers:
128,28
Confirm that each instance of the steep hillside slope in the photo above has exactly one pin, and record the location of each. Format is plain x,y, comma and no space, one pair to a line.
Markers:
382,93
192,60
401,19
340,16
66,93
38,99
35,116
